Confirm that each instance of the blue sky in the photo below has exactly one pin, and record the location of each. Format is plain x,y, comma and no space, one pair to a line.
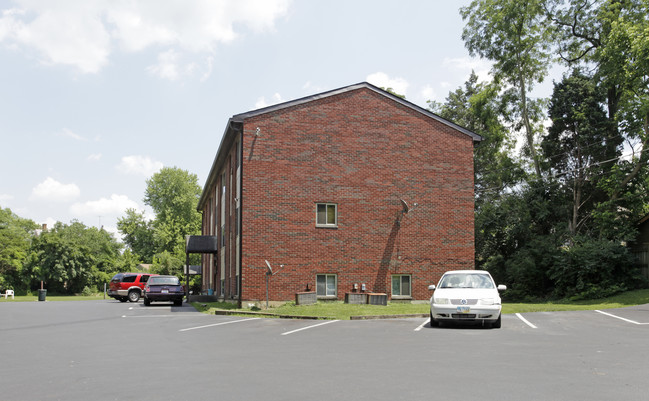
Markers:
97,95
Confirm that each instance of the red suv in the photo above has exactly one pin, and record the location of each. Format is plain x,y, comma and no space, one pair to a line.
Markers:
128,286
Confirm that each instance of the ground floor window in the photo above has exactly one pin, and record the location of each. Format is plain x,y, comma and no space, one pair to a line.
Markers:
326,285
401,285
222,287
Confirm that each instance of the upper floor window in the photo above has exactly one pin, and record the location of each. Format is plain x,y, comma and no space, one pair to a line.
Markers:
326,215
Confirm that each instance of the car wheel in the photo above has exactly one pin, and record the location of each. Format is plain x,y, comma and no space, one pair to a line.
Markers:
178,302
147,302
433,322
133,296
123,299
497,323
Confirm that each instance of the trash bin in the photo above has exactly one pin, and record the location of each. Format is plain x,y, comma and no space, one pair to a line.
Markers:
42,294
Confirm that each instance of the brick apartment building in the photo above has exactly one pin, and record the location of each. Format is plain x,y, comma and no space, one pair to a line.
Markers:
347,189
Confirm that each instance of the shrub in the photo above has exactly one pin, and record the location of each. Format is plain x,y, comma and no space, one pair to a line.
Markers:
87,291
593,269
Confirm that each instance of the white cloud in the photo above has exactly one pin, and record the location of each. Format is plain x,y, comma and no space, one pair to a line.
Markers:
261,102
61,32
427,93
382,80
167,66
94,157
480,66
83,33
69,134
115,206
52,190
311,88
5,197
139,165
173,65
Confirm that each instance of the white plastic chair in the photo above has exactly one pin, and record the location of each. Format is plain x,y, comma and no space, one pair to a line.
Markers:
9,292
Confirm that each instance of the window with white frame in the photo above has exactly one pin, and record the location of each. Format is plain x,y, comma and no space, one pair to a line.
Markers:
401,285
326,215
326,285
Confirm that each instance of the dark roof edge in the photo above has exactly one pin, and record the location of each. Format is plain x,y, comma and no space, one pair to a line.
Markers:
243,116
218,160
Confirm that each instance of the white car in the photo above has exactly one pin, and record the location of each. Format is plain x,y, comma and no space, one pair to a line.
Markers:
466,295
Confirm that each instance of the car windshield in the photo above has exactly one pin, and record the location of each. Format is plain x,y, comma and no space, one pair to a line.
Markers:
164,281
466,280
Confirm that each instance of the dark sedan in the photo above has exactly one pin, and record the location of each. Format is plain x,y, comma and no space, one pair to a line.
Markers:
164,288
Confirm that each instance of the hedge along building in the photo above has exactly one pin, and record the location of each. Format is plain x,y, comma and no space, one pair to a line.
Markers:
348,189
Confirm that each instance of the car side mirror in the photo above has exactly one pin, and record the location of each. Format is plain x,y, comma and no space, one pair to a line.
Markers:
431,287
502,287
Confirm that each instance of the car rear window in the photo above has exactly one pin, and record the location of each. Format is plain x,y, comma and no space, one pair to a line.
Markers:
164,280
117,278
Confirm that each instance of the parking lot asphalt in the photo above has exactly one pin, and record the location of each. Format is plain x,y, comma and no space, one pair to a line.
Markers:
107,350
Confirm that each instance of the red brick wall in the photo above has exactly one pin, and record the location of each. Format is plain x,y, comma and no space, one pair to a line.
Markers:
363,152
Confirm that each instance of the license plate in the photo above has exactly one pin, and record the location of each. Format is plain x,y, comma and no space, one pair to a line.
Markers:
165,291
463,309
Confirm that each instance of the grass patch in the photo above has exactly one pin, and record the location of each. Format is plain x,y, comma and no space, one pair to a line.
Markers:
629,298
342,311
48,297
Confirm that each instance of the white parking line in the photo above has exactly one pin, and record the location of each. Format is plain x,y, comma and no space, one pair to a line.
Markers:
421,326
309,327
526,321
219,324
174,315
618,317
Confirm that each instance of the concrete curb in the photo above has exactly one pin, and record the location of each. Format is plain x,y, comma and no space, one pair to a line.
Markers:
267,314
388,316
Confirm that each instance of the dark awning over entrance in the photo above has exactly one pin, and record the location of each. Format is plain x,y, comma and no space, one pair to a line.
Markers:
199,244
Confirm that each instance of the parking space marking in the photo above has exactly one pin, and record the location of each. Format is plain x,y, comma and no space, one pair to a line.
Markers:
518,315
167,316
421,326
219,324
619,317
309,327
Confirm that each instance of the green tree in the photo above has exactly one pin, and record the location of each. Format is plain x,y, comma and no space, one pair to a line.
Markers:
101,244
64,267
477,107
593,268
15,240
516,239
137,234
127,262
611,37
173,195
168,263
69,258
511,33
576,147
